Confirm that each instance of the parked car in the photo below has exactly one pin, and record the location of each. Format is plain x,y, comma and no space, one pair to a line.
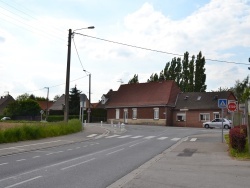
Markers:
217,123
6,118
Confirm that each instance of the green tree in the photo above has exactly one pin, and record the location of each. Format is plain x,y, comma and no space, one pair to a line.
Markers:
200,76
153,78
23,97
26,107
240,89
134,79
74,102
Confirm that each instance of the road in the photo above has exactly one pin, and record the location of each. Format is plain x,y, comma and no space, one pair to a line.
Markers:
95,163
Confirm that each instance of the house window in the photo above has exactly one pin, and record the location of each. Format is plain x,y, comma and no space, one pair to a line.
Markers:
204,117
216,115
134,114
117,114
156,113
181,117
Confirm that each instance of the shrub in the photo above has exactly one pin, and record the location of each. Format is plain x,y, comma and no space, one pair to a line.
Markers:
243,127
237,138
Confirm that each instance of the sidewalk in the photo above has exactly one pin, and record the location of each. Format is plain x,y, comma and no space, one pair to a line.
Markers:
23,146
204,163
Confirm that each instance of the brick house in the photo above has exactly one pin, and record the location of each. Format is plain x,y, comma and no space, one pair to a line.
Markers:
4,101
142,103
194,108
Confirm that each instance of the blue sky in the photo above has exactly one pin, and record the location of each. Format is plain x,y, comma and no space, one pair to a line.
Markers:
34,34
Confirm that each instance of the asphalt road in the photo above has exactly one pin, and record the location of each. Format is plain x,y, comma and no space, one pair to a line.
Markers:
95,163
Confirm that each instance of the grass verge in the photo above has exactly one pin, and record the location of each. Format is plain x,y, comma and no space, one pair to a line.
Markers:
244,155
38,130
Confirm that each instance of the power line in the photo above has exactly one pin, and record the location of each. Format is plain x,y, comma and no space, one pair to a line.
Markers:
153,50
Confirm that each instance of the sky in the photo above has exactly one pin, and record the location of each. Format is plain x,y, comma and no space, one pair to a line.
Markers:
34,42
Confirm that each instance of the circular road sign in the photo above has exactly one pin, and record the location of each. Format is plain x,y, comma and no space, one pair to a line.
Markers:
232,107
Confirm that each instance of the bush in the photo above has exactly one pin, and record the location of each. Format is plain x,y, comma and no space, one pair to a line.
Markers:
237,138
243,127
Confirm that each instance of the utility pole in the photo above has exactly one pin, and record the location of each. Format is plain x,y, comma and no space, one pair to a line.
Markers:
47,109
89,110
66,105
66,109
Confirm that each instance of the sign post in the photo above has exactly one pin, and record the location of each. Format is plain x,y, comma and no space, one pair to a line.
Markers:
222,103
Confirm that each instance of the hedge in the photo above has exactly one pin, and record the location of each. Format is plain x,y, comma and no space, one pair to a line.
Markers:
237,137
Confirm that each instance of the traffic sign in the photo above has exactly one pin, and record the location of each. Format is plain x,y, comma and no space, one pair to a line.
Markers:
232,106
222,103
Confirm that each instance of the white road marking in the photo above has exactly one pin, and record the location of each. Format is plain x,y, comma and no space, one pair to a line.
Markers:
69,149
136,136
20,160
115,151
175,139
149,137
77,147
17,147
100,136
162,138
124,136
78,164
92,135
3,164
115,135
193,139
36,157
23,182
137,143
54,153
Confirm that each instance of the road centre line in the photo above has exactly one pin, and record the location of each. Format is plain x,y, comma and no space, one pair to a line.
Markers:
54,152
16,147
63,162
3,164
36,157
115,151
22,182
20,160
137,136
78,164
125,136
137,143
115,135
149,137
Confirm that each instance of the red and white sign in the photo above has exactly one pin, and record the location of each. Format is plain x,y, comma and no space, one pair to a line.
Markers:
232,106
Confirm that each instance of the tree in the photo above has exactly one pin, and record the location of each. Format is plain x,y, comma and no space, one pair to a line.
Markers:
134,79
153,78
26,107
74,102
240,88
56,97
23,97
200,76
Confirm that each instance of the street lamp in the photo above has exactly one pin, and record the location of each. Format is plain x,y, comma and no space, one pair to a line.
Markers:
89,109
66,110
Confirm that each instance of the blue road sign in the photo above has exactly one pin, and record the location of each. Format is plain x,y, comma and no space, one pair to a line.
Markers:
222,103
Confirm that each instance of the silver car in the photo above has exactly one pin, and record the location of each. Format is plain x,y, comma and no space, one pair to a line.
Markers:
217,123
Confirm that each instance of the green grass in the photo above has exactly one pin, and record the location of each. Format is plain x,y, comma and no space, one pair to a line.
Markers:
244,155
38,130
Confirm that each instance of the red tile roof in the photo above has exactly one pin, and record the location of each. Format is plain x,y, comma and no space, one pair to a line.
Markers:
145,94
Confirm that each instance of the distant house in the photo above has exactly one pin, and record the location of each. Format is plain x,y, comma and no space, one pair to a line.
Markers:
142,103
43,104
4,101
194,108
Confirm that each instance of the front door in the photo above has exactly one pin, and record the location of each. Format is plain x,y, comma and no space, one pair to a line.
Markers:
125,116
